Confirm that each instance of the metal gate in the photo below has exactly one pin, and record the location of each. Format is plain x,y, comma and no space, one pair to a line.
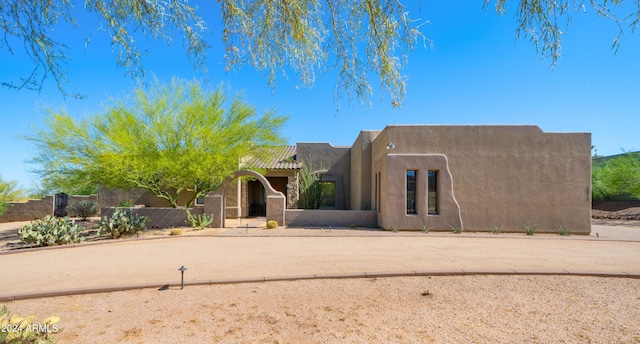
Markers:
60,206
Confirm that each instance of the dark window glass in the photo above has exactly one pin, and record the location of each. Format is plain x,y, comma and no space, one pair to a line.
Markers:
411,192
432,202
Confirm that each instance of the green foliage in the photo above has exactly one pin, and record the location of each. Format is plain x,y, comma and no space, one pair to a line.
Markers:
425,229
530,229
562,230
168,139
311,189
457,230
123,222
616,177
83,209
127,203
51,231
545,22
176,231
272,224
9,191
360,39
16,329
301,37
496,229
199,221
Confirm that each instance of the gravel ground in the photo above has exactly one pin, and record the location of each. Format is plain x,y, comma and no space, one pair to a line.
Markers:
478,309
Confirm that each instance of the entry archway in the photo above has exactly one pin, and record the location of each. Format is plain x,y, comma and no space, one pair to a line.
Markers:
214,202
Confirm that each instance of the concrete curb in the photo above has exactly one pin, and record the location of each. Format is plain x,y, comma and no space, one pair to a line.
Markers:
382,274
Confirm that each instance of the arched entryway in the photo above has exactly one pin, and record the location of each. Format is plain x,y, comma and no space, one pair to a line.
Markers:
275,201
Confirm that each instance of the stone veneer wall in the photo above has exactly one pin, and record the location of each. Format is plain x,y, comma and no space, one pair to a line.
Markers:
292,192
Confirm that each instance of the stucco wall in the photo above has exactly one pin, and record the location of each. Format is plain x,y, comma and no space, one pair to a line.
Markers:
334,218
503,176
337,162
361,179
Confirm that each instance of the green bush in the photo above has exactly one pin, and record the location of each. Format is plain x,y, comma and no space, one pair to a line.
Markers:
51,231
83,209
616,177
272,224
122,222
17,329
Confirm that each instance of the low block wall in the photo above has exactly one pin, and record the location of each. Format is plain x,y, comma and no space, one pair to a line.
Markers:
160,217
29,210
334,218
38,208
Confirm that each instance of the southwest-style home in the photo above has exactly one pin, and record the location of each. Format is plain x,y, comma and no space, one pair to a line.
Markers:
442,177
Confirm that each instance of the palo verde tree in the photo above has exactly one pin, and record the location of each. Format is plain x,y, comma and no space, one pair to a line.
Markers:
359,38
9,191
169,139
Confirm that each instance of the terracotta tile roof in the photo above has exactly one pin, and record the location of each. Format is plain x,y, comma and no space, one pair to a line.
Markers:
282,158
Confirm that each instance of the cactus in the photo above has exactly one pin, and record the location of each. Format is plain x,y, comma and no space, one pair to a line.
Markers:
272,224
199,221
51,231
122,222
18,329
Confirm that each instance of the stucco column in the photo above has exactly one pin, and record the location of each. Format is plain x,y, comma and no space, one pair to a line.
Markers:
276,205
214,205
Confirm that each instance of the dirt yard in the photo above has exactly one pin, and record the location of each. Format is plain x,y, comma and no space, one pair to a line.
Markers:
478,309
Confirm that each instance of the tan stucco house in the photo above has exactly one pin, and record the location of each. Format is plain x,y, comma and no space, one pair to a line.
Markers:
442,177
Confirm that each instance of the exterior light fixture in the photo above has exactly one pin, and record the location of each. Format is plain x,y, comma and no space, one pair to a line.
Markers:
391,146
182,270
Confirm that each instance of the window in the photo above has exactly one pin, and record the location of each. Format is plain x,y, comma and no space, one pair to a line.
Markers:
411,192
200,200
432,202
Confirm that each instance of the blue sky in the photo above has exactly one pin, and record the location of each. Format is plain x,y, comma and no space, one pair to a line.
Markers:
477,73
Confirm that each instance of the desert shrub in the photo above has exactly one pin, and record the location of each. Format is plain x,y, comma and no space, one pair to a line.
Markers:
83,209
562,230
127,203
199,221
176,231
122,222
530,229
272,224
17,329
51,231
